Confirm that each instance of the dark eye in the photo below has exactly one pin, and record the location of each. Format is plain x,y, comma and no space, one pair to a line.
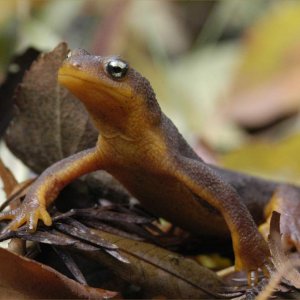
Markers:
117,68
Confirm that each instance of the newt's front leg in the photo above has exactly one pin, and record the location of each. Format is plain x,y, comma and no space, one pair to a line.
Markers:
46,188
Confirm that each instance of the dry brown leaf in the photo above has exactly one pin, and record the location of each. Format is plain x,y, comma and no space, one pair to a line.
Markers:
285,267
160,272
8,179
16,70
281,261
23,277
50,123
14,191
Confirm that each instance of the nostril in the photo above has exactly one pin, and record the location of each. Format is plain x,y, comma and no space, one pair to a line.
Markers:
79,52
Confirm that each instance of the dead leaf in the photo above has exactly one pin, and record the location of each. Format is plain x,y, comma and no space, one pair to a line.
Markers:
50,123
52,237
161,272
18,192
70,264
285,268
280,259
77,229
8,179
16,70
14,191
107,214
27,279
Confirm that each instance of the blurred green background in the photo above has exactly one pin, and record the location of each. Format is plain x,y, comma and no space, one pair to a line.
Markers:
226,72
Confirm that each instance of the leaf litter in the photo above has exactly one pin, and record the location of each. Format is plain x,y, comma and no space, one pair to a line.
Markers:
157,270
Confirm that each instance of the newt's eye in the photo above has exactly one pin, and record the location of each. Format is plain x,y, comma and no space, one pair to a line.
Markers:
117,68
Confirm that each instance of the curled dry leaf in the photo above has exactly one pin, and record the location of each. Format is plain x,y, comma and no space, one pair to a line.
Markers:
105,215
8,179
281,261
78,230
42,131
14,191
66,231
130,222
27,279
285,200
70,264
286,268
161,272
15,72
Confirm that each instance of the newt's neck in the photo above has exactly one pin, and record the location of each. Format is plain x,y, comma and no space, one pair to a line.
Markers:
136,125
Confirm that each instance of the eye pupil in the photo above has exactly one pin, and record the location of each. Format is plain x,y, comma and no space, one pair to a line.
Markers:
117,68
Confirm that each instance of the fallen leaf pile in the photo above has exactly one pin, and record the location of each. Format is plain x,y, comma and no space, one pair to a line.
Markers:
111,235
130,248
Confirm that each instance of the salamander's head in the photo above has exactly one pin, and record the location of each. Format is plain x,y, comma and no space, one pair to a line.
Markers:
112,91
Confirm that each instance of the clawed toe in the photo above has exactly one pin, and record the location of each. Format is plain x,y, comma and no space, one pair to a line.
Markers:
22,215
34,217
32,222
45,217
252,278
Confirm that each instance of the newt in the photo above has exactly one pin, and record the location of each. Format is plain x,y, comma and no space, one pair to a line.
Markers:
141,147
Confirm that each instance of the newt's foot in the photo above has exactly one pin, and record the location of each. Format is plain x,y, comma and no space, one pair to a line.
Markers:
253,276
253,255
27,213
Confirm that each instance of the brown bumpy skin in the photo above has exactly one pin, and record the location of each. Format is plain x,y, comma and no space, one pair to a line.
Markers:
142,148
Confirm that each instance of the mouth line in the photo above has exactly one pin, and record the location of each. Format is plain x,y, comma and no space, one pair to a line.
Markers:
108,90
78,78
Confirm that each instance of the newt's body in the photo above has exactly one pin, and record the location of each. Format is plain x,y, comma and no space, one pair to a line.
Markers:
142,148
